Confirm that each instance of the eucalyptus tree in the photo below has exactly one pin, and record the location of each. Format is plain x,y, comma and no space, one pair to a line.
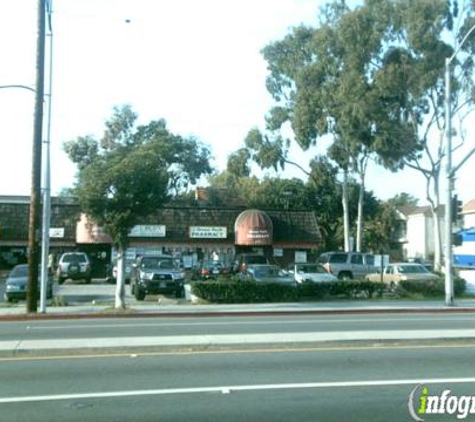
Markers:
421,35
372,77
127,174
323,82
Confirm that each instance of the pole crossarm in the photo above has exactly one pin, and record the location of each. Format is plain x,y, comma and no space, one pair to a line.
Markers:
29,88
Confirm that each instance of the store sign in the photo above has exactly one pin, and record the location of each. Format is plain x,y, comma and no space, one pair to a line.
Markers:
300,257
279,252
258,234
148,230
208,232
56,232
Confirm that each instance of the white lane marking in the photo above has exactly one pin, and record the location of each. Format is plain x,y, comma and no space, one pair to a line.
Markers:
231,388
257,322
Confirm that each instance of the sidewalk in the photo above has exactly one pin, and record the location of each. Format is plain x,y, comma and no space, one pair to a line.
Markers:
170,308
174,308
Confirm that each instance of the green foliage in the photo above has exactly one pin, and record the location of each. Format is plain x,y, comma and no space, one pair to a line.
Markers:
429,288
238,163
403,199
129,173
251,292
243,292
348,289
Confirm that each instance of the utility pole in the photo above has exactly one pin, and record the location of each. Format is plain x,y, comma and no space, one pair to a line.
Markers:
34,222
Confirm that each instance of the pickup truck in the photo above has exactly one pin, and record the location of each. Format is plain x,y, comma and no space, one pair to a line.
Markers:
155,275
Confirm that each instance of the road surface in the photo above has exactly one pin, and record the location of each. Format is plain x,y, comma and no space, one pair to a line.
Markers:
341,384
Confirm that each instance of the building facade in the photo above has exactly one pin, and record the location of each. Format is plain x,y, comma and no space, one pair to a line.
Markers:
191,234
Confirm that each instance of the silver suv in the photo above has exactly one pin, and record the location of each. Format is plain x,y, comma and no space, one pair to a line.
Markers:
74,265
348,265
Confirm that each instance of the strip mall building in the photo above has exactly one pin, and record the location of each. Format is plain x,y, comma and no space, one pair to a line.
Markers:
189,233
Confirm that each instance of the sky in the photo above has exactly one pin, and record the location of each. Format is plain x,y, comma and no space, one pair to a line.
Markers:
197,64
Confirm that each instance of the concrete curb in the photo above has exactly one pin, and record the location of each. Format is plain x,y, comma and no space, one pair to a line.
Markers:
95,313
203,342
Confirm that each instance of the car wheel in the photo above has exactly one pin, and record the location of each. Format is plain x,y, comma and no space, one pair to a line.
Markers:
9,299
345,276
179,293
139,294
61,280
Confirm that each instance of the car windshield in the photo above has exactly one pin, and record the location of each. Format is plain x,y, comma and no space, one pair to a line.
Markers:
164,263
338,258
255,259
267,272
19,271
310,269
412,269
74,258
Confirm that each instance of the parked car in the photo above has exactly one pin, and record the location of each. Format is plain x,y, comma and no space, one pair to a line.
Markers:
265,273
156,274
16,284
209,270
396,272
348,265
74,266
315,273
245,259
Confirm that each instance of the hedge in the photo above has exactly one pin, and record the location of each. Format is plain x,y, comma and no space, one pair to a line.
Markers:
429,288
251,292
244,292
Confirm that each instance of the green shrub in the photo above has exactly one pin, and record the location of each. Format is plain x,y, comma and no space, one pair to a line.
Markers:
251,292
426,288
243,292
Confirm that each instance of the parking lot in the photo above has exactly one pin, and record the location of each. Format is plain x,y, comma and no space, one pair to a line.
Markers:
99,292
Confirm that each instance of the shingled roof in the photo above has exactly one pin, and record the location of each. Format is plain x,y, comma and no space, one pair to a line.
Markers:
289,226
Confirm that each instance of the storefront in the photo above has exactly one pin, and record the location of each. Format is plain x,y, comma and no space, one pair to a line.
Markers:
191,234
14,218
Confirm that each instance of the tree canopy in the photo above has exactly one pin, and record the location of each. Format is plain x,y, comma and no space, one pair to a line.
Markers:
130,172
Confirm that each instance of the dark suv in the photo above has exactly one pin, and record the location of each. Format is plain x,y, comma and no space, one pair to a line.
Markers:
156,274
74,265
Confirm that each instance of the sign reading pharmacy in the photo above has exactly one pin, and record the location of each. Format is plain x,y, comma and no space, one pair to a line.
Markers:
208,232
149,230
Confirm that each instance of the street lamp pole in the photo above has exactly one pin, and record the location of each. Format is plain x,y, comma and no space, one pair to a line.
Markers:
449,282
47,175
449,173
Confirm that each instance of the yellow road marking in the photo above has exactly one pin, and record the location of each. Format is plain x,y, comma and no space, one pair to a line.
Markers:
373,348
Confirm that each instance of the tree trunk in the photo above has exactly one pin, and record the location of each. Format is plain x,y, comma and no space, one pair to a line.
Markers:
120,283
359,224
346,212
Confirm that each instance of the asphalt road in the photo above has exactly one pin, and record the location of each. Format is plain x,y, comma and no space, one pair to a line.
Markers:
364,384
179,326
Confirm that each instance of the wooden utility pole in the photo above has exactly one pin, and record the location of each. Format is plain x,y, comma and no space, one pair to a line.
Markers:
35,209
